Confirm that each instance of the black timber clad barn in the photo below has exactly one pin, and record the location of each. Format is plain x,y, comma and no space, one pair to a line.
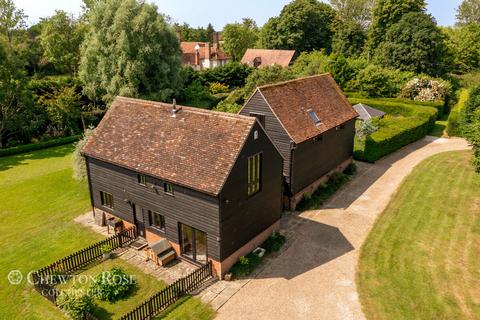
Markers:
208,182
312,124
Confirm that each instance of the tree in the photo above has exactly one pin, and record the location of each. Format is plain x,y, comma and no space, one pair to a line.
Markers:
238,37
79,165
415,44
17,116
358,12
129,50
464,45
61,37
468,12
388,12
349,40
303,25
187,33
11,19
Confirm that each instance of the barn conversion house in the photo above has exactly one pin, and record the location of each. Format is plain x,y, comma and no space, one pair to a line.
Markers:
208,182
313,126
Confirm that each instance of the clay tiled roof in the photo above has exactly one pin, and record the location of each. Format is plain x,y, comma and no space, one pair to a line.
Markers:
291,101
268,57
188,52
196,149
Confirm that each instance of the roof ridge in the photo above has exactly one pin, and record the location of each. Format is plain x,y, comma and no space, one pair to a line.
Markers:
189,109
294,80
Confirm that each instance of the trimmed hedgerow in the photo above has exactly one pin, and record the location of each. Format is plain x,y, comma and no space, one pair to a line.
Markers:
37,146
455,118
404,124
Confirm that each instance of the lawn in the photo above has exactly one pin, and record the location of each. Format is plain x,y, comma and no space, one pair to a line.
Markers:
38,201
420,260
440,126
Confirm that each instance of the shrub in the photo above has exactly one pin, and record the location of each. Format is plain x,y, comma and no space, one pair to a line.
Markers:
375,81
426,89
76,303
472,133
245,265
366,128
79,165
455,117
274,242
351,169
225,106
217,87
37,146
106,248
324,192
472,104
404,124
112,285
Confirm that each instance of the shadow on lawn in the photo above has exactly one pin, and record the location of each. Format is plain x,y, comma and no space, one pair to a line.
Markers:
9,162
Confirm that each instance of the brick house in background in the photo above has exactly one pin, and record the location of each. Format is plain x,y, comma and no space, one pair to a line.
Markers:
203,55
312,124
208,182
259,58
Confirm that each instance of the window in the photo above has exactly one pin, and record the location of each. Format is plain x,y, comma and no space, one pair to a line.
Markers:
255,135
107,199
260,117
168,188
156,220
313,115
142,179
254,173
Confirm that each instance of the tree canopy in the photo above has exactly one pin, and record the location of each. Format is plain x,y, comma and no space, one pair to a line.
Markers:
129,50
238,37
388,12
468,12
464,45
61,37
358,12
349,39
303,25
415,44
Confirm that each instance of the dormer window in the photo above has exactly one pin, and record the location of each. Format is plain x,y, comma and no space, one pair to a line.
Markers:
313,115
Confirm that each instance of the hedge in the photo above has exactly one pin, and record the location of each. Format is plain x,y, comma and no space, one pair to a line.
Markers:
39,145
404,124
454,119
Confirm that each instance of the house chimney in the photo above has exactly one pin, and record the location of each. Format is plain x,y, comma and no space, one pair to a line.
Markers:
175,108
216,40
197,55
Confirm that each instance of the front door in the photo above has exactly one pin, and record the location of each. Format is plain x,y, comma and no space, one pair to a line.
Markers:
139,221
193,243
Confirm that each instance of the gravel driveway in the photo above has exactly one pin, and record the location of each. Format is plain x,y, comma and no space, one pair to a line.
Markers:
314,277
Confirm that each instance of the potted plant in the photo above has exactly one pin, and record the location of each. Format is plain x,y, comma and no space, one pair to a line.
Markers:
106,251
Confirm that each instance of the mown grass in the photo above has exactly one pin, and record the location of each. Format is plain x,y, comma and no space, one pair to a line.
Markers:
38,202
420,260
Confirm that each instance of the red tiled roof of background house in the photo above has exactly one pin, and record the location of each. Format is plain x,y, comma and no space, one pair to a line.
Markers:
268,57
292,100
196,148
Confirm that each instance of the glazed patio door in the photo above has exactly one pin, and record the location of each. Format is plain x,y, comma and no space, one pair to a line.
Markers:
193,243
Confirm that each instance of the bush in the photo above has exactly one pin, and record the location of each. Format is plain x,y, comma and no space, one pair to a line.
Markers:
404,124
245,265
197,95
274,242
112,285
351,169
375,81
79,165
37,146
455,117
76,303
426,89
324,192
217,87
225,106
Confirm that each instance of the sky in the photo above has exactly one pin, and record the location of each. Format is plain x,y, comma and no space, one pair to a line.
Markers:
218,12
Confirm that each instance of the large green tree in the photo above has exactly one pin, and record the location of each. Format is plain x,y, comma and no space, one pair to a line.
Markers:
415,44
61,37
17,116
238,37
349,39
358,12
388,12
464,45
303,25
11,19
186,33
468,12
129,50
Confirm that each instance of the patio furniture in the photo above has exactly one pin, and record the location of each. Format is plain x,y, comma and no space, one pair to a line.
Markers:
116,224
161,252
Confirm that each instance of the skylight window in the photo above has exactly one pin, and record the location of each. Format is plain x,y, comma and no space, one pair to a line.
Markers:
313,115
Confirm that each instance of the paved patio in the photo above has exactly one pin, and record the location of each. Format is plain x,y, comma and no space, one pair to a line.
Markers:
314,276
